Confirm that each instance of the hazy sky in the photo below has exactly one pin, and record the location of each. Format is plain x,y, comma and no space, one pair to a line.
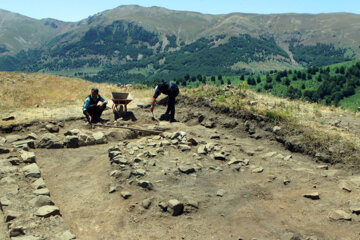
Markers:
75,10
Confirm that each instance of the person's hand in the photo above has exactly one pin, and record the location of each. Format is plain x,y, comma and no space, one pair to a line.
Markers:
89,118
152,108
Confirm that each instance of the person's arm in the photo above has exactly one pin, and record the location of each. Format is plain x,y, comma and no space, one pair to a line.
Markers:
103,101
153,105
86,105
156,94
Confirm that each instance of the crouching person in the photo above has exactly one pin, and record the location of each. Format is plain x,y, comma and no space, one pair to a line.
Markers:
92,109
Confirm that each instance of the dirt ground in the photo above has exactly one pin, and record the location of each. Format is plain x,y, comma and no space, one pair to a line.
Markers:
256,190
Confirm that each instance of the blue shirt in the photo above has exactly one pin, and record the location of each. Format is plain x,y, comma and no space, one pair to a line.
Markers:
97,99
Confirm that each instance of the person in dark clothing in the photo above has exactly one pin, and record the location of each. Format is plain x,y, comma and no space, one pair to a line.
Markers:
92,110
170,89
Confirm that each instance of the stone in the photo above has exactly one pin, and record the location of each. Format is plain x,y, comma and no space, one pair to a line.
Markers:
286,181
192,141
163,206
47,211
65,236
31,136
4,150
215,137
184,147
355,207
27,237
99,138
219,156
345,186
175,207
24,143
2,141
339,215
14,160
39,183
220,193
313,195
116,173
13,138
165,143
31,170
52,128
276,129
138,172
40,201
8,118
72,132
119,160
191,202
42,191
202,149
146,184
125,194
287,158
258,170
71,141
27,157
16,231
146,203
11,215
114,154
186,169
323,167
49,141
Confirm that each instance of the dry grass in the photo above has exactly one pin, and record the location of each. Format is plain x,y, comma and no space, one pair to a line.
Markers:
56,97
314,120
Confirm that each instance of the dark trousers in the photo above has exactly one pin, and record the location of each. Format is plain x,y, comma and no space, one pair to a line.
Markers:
95,111
171,105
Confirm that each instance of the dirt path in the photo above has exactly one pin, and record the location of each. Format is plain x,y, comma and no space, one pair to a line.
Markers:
261,195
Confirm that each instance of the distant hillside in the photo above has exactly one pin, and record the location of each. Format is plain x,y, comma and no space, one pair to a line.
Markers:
132,43
18,32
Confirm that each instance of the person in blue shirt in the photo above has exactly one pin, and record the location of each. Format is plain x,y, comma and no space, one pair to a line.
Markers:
172,90
92,110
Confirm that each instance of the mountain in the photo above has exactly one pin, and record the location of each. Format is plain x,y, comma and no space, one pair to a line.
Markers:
132,43
18,32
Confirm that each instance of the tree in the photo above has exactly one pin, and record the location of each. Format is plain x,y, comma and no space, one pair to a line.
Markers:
258,79
278,78
213,78
220,77
268,79
242,77
287,82
199,77
229,82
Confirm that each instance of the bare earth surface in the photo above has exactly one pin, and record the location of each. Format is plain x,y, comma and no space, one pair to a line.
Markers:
228,184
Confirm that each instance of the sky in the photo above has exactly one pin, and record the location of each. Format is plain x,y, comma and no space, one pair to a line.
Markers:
75,10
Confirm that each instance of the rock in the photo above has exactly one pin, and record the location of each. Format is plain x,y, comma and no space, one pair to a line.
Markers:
47,211
220,193
31,170
186,169
276,129
184,147
175,207
11,215
99,138
8,118
2,141
71,142
114,154
65,236
146,184
215,137
27,157
49,140
146,203
219,156
323,167
287,158
165,143
192,141
27,237
72,132
286,181
345,186
355,207
24,144
163,206
42,191
31,136
191,202
313,195
16,231
208,124
116,173
4,150
13,138
14,160
52,128
40,201
38,184
119,160
125,194
202,149
258,170
269,155
138,172
339,215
